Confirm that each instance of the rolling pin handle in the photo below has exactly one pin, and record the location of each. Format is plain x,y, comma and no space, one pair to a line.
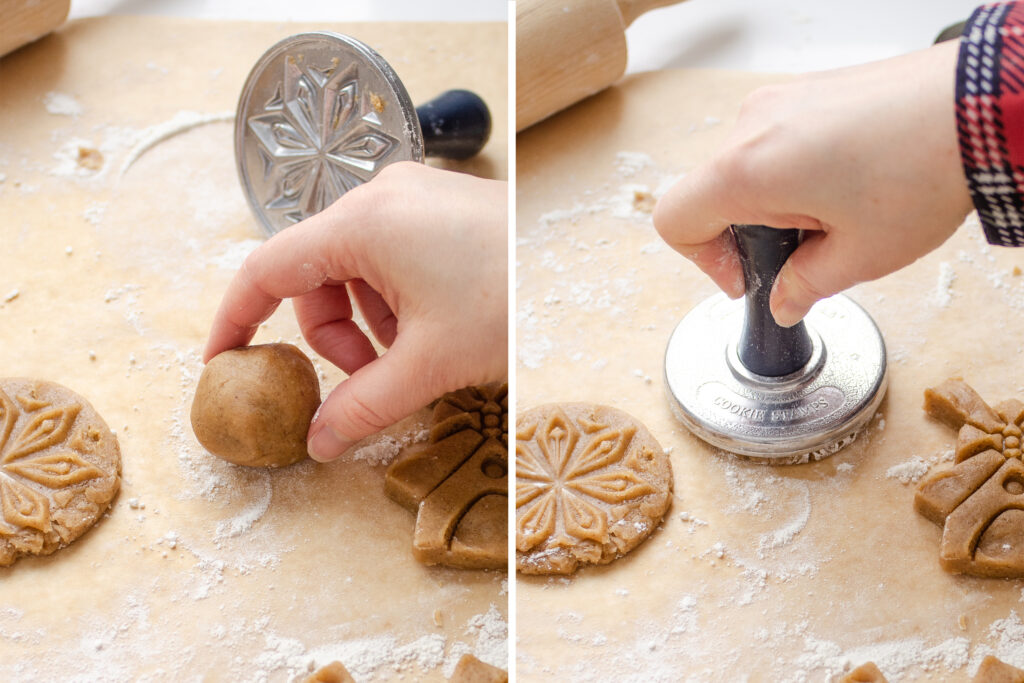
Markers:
456,125
765,348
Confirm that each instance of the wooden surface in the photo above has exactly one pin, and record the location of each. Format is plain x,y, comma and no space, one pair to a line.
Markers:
762,574
201,570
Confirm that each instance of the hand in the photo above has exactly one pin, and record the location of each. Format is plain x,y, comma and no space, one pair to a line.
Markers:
864,159
424,254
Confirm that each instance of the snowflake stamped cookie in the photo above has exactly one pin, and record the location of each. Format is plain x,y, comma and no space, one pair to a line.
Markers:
591,485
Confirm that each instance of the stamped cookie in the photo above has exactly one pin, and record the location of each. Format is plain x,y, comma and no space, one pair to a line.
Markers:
457,483
979,502
59,467
591,485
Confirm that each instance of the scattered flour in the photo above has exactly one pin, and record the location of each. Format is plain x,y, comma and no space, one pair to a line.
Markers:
93,213
181,122
61,104
909,472
943,294
232,254
383,449
628,164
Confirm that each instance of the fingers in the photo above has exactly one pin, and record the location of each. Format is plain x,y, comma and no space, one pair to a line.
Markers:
819,268
689,218
376,312
325,319
293,262
376,396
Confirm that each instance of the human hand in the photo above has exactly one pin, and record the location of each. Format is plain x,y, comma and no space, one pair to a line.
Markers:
424,254
864,159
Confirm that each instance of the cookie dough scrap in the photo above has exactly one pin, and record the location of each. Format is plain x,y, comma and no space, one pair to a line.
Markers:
993,670
591,484
472,670
865,673
335,672
60,467
979,501
457,482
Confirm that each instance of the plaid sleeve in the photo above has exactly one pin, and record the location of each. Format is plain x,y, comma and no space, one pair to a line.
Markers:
990,118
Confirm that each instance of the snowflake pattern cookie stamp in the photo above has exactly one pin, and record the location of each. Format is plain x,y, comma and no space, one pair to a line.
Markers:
979,501
59,467
457,482
320,114
591,485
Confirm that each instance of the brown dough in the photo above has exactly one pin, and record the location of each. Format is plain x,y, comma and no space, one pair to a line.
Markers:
253,405
457,483
591,484
472,670
335,672
60,467
980,500
994,671
865,673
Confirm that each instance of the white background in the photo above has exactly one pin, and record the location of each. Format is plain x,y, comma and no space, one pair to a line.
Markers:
760,35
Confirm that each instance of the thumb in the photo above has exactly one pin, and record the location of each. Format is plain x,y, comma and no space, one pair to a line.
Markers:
819,268
376,396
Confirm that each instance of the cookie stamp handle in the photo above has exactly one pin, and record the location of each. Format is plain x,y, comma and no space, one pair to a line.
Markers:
456,125
765,348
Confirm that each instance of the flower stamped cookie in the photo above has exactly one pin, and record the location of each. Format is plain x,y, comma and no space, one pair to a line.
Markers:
59,467
591,485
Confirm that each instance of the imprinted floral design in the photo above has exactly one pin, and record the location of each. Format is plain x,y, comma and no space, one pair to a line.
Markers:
320,135
567,475
24,469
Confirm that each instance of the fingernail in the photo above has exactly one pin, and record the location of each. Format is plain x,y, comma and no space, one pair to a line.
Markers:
785,311
326,444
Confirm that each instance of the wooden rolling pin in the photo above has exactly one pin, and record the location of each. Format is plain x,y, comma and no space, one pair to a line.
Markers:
569,49
22,21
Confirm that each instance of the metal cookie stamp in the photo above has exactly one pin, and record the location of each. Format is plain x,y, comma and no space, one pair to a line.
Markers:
322,113
778,395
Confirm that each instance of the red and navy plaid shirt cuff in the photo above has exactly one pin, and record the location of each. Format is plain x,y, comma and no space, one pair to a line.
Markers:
990,118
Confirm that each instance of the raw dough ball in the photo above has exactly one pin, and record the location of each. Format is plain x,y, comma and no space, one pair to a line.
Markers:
253,405
591,485
60,467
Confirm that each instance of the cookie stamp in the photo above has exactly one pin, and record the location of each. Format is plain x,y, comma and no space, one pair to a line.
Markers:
591,485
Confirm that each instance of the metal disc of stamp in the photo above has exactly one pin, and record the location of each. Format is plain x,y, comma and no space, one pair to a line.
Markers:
319,114
804,416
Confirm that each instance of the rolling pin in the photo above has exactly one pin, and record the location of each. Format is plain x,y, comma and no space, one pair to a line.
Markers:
22,21
569,49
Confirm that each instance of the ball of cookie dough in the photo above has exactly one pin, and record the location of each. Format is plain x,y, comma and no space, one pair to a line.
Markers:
253,405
